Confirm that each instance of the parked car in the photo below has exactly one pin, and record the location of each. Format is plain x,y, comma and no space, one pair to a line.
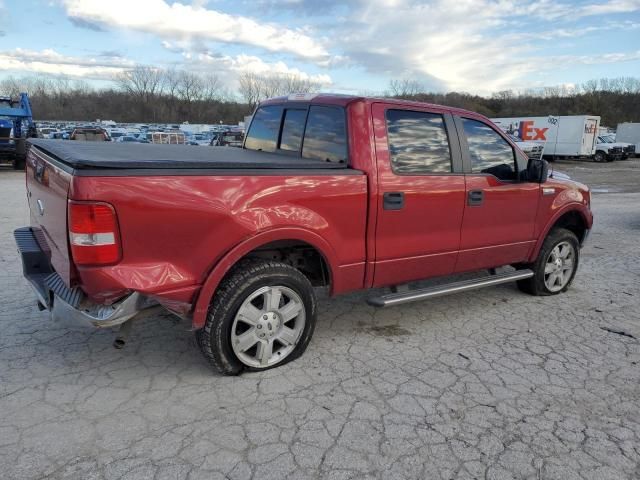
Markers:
628,149
227,138
127,139
90,134
607,150
343,192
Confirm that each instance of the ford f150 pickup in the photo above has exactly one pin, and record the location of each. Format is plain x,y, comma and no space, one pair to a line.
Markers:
338,191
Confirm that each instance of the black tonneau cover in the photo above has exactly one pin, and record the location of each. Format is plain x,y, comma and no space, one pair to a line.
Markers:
107,155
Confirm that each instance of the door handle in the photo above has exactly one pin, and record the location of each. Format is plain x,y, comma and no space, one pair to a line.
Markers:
475,197
393,200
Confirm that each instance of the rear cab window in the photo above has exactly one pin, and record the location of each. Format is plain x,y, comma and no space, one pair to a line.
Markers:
265,126
315,132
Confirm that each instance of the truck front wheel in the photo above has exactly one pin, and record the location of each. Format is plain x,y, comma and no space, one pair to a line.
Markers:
262,316
555,266
600,156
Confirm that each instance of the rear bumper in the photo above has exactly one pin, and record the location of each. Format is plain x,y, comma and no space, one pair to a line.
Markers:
70,306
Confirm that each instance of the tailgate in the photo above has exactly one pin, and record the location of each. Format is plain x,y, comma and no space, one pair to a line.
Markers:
47,189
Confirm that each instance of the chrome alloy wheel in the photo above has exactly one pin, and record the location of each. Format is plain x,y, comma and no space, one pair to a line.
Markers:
268,326
559,266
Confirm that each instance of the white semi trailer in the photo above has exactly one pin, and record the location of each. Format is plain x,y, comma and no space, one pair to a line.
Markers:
562,136
629,133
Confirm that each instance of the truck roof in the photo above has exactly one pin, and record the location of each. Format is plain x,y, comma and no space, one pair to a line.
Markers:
343,100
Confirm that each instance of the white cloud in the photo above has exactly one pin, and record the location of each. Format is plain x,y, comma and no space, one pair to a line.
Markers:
604,58
445,43
478,46
228,67
180,21
248,63
51,62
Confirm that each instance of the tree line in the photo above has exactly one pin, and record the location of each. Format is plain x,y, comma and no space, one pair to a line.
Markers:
615,100
146,94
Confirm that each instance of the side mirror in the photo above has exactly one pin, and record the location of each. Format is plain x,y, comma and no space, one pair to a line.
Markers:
537,170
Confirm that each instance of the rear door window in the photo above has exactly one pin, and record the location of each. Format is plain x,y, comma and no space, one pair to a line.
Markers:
325,137
418,142
264,129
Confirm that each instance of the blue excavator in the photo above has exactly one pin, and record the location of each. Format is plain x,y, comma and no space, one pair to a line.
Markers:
16,126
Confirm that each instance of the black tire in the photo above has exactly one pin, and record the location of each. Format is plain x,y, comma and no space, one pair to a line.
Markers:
244,279
600,156
536,284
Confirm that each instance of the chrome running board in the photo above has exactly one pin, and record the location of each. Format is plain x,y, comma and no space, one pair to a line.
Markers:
447,289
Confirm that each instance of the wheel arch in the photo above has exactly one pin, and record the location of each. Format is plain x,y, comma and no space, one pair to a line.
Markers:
573,217
269,241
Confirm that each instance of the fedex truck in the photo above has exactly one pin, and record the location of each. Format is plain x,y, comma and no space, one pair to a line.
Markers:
563,136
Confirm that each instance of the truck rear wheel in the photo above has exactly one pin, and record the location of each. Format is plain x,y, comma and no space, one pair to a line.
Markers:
556,265
262,316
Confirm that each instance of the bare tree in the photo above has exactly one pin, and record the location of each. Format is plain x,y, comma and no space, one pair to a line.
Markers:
141,81
249,89
190,87
253,87
590,86
503,95
405,87
170,82
211,87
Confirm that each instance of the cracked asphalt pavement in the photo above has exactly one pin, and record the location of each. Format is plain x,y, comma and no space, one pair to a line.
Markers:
492,384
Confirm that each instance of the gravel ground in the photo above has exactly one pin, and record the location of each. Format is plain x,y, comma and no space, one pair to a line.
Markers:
617,177
491,384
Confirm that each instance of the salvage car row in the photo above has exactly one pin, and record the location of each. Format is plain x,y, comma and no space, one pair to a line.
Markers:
182,134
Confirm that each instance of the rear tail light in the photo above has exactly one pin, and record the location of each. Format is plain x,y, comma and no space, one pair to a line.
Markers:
93,233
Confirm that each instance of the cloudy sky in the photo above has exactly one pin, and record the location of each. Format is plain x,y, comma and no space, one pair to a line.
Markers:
478,46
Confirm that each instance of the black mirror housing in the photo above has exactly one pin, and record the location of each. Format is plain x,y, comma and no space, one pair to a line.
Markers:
537,170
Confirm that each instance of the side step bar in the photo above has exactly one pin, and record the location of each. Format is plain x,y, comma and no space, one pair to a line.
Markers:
441,290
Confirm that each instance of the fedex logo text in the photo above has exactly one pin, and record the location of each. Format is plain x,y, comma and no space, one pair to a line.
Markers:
528,132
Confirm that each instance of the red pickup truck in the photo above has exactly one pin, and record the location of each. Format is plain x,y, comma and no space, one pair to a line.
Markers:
328,190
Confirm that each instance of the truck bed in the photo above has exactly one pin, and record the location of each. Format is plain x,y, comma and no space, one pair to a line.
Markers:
118,156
